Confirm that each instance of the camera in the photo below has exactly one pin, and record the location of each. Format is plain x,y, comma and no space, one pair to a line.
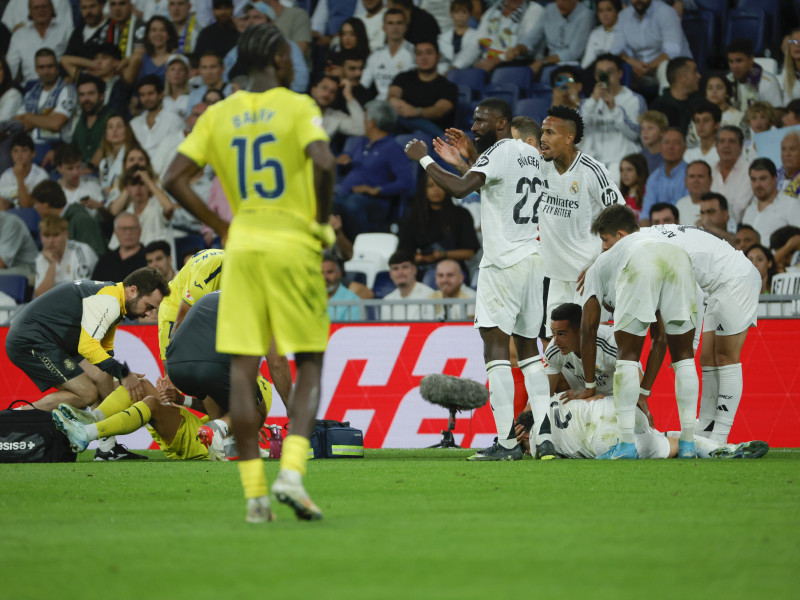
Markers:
603,78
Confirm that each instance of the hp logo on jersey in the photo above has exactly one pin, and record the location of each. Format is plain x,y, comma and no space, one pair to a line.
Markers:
609,197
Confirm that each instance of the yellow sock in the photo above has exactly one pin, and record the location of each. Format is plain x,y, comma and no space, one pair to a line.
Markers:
126,421
254,481
294,454
116,401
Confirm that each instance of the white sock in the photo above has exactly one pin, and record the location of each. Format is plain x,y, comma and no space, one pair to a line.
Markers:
501,399
626,394
704,447
221,426
538,387
107,444
708,401
730,394
98,414
91,431
687,389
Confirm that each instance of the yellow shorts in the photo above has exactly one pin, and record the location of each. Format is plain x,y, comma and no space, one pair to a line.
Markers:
167,313
275,292
185,446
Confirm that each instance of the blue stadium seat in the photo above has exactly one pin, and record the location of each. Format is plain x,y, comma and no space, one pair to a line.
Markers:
464,112
699,29
29,216
429,279
772,11
464,94
475,79
15,286
719,8
535,108
383,285
520,76
507,91
187,242
748,24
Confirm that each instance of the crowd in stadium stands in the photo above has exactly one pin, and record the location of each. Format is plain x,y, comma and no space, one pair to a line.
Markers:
96,96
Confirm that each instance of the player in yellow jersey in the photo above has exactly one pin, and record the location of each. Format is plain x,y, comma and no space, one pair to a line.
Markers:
271,154
198,277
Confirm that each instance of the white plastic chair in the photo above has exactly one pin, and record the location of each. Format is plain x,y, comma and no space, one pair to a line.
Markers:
371,252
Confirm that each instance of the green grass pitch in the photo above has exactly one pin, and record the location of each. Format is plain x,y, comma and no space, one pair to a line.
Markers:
406,524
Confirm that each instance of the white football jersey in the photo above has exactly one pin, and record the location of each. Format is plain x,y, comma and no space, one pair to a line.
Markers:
78,262
571,367
509,202
382,67
578,428
714,261
569,204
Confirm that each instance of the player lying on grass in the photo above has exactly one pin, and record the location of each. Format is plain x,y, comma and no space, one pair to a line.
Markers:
195,367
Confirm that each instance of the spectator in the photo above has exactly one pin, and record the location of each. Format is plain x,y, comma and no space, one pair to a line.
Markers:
458,44
105,65
384,64
698,182
450,284
141,196
211,71
403,273
611,115
332,273
43,31
117,140
17,182
219,205
176,84
667,183
50,200
653,125
679,101
91,122
10,96
85,39
186,25
751,82
791,66
789,173
77,186
649,33
715,218
117,264
729,176
294,23
758,118
502,27
705,124
352,38
602,37
566,81
61,259
328,19
791,114
49,106
762,260
17,13
158,255
746,236
158,131
785,243
719,91
769,210
336,121
421,26
17,250
436,229
663,213
220,36
160,41
212,97
558,36
380,172
373,21
424,99
633,173
351,68
127,35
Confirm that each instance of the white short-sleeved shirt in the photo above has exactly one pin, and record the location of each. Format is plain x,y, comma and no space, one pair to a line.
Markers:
569,205
25,42
509,201
77,263
696,153
714,261
412,312
88,186
784,210
8,181
382,67
154,226
571,367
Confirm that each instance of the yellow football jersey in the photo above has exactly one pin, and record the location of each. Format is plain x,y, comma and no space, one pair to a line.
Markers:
256,143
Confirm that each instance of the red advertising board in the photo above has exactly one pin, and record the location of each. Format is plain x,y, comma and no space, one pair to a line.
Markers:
372,373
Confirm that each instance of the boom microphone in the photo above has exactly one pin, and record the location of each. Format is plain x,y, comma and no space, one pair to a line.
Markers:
449,391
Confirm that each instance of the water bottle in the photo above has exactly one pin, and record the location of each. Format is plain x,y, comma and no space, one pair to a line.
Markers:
275,442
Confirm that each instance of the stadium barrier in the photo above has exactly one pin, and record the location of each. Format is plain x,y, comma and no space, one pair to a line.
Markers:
372,372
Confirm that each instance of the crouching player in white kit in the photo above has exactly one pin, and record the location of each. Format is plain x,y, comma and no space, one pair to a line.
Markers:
509,299
637,277
586,428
